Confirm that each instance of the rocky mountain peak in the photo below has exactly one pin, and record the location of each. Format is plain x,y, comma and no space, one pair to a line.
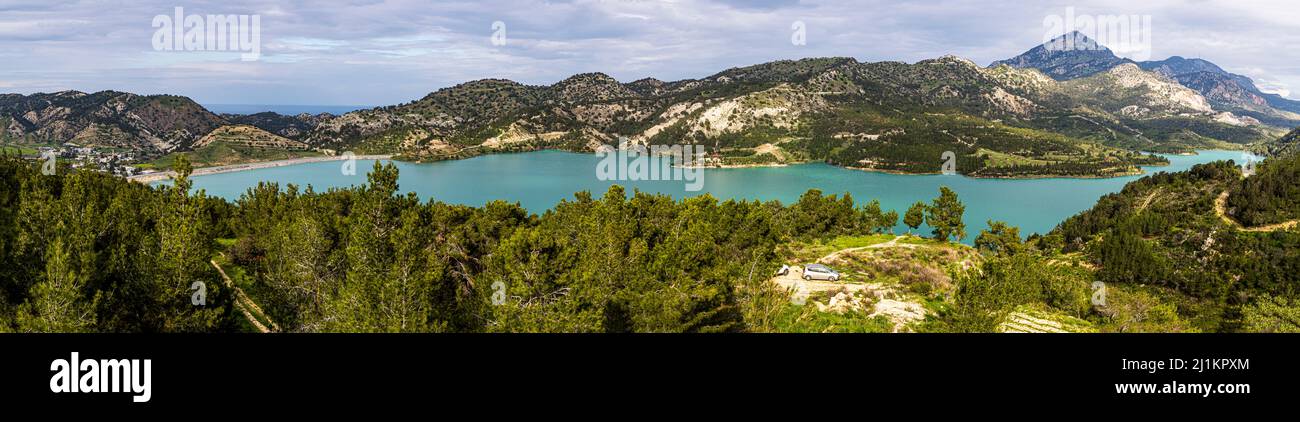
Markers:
587,87
1069,56
1178,65
949,58
648,86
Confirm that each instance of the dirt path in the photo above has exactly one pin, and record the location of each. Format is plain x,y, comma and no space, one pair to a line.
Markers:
1150,197
1220,208
899,312
892,243
1108,129
246,305
1082,263
770,149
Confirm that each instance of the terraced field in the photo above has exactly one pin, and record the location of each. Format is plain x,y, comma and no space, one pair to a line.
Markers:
1029,320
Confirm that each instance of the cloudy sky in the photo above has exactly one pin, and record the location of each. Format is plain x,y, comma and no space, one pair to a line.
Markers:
374,52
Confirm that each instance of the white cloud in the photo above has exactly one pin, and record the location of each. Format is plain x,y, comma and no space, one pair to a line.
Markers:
383,52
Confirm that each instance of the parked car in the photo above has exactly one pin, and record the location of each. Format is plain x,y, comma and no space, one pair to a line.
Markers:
819,272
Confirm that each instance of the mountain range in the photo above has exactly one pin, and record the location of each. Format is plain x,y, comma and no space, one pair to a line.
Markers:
1227,91
1049,111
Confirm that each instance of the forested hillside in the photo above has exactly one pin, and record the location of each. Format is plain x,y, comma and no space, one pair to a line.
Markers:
1271,196
84,251
1171,233
87,251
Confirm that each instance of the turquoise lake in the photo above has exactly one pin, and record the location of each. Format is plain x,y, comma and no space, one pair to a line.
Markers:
539,180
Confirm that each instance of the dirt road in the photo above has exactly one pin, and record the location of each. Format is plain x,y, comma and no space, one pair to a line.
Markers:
892,243
246,305
885,297
1220,208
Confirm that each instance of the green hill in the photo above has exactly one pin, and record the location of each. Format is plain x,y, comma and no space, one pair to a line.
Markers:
237,145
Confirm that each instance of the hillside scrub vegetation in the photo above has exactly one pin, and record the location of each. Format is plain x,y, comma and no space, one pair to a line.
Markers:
86,251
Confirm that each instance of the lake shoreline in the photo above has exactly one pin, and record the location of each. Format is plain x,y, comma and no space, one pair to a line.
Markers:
153,177
1140,171
231,168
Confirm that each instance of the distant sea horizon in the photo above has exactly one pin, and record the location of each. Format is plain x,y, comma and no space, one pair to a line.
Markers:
286,109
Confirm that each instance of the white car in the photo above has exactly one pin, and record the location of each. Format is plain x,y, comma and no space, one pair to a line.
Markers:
785,269
819,272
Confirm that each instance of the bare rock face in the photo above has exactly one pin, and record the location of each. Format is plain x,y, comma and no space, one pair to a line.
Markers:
898,312
1131,92
843,302
1027,80
1069,56
1224,89
1231,119
1074,56
1010,103
1162,92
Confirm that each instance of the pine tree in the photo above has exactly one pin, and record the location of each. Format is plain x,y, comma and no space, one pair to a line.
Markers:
999,239
944,215
888,222
184,249
873,220
388,283
915,216
56,304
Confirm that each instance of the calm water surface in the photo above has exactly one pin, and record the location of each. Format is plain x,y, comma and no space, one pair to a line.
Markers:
539,180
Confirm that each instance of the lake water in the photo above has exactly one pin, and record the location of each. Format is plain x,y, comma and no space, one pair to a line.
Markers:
539,180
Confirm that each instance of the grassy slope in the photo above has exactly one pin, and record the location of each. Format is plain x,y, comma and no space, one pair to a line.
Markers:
221,154
914,270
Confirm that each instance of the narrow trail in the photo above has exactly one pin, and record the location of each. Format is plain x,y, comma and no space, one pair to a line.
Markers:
1150,197
959,139
1082,263
1220,208
793,281
246,305
1112,131
890,244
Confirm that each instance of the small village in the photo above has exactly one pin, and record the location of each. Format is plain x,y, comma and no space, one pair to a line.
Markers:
120,163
